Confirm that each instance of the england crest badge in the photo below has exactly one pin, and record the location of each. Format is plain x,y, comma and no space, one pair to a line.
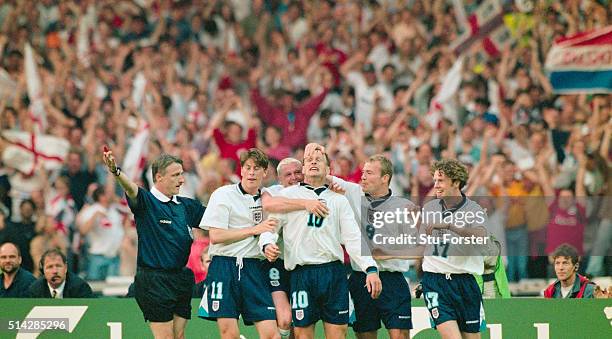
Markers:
370,215
257,216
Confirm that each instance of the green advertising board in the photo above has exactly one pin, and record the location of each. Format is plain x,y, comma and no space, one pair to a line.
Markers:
109,318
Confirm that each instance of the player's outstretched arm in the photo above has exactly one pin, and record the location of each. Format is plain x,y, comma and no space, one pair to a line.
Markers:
225,236
285,205
130,188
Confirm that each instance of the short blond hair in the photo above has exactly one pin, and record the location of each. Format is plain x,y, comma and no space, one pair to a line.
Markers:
286,162
386,167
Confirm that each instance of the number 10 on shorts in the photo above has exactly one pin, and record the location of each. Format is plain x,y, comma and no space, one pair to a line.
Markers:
299,299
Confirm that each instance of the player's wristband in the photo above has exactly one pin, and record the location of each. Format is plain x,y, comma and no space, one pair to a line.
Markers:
117,171
263,249
371,269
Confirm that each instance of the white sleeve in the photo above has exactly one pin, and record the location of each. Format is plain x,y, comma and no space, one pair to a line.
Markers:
272,237
217,212
351,237
353,194
266,238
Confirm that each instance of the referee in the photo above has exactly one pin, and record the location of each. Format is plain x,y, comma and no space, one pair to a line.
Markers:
163,285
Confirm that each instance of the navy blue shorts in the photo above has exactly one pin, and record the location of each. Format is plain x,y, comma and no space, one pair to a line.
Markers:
392,306
456,298
231,292
277,276
319,292
161,294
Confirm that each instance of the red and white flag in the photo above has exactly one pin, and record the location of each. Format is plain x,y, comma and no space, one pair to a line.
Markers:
26,150
484,25
37,109
136,155
442,104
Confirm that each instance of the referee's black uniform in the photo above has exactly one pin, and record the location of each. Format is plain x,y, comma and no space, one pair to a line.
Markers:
163,285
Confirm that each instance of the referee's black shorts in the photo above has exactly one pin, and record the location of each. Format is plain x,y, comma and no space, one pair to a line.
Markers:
161,294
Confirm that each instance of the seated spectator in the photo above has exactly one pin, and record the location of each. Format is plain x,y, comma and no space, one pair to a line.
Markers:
57,283
569,283
15,279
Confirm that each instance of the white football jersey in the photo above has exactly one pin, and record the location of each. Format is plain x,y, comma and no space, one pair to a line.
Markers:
454,258
310,240
230,208
274,189
359,203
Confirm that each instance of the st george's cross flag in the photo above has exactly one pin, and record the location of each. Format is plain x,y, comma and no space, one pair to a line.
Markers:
485,25
24,151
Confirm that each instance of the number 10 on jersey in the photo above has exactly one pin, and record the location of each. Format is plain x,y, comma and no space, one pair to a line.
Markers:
315,221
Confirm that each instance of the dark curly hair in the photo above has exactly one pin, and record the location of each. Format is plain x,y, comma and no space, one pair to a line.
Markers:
453,169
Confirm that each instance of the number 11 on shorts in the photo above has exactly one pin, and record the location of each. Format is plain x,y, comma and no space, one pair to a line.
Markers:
216,290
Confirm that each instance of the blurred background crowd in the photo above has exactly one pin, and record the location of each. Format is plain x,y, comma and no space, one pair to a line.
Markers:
205,79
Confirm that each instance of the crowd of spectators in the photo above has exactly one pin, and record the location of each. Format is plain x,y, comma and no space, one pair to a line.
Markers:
210,78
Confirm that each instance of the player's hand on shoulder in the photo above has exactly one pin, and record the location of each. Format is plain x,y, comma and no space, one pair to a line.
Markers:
271,252
317,207
268,225
374,285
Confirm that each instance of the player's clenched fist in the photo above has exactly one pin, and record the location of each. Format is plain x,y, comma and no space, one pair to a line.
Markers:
271,252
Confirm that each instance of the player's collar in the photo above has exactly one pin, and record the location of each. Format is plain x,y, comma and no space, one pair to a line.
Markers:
317,190
375,202
455,208
243,191
162,197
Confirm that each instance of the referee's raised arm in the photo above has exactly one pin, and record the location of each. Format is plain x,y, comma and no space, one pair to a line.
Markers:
131,189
